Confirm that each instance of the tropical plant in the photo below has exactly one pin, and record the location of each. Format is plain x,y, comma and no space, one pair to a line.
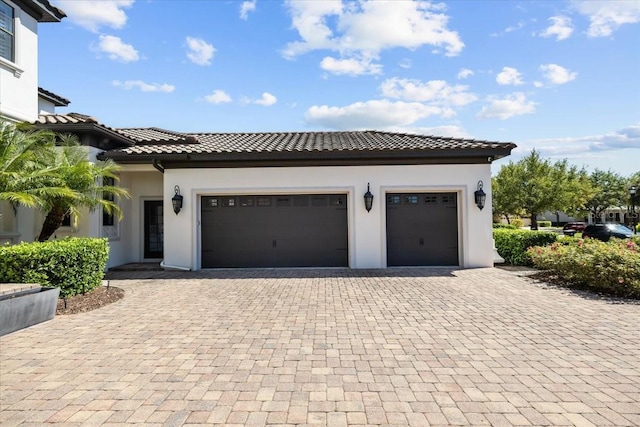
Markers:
26,171
74,171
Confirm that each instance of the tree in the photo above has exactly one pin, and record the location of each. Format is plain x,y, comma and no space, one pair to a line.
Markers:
534,185
52,173
85,179
609,190
25,166
503,201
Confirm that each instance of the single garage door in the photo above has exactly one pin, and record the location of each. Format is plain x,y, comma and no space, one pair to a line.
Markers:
422,229
275,231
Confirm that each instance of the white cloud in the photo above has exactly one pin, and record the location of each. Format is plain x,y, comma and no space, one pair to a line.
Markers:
465,73
218,97
376,114
117,50
93,14
586,146
515,104
556,74
405,63
351,66
266,100
144,87
606,16
200,52
434,91
246,7
364,29
509,76
561,28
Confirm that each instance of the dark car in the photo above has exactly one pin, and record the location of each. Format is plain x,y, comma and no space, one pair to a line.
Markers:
606,231
572,228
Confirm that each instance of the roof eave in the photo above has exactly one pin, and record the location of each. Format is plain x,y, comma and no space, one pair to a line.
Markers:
41,10
86,128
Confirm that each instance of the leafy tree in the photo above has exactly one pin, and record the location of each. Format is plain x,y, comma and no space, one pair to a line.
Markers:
503,202
609,190
536,185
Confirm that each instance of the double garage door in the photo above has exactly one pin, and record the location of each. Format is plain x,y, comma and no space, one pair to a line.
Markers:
312,230
275,231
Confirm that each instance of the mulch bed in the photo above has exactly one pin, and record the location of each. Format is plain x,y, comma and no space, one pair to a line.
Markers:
99,297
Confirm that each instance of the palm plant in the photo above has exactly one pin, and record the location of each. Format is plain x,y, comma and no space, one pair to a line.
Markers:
26,173
86,180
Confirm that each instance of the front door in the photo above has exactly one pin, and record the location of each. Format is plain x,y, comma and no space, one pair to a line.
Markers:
153,229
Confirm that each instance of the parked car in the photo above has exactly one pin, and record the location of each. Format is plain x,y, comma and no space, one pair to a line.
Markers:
606,231
572,228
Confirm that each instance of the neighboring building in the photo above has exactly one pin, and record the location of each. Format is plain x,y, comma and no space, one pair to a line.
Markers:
20,97
19,56
294,199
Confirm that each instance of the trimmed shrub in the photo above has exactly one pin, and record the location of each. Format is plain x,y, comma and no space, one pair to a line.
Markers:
517,222
612,267
75,265
544,223
508,226
512,245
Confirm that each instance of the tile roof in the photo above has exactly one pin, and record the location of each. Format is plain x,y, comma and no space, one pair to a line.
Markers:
348,146
57,100
81,123
42,10
299,142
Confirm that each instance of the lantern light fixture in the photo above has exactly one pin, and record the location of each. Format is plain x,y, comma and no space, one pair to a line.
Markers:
480,196
368,199
176,200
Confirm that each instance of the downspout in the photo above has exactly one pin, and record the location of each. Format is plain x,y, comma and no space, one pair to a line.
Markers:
157,165
174,267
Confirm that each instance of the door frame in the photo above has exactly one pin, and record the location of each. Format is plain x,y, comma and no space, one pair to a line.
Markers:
143,201
461,207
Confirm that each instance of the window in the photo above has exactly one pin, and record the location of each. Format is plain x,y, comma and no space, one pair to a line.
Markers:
7,32
66,221
107,218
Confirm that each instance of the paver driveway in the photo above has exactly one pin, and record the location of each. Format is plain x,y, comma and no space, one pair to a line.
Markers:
330,347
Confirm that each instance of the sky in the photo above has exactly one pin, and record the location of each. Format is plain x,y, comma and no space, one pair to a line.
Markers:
561,77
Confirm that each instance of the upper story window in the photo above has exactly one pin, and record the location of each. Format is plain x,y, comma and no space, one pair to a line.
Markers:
7,31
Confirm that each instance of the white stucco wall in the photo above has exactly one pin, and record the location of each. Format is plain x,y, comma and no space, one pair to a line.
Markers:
19,79
367,233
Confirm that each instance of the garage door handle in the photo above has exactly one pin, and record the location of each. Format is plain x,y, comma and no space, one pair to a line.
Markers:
421,241
274,244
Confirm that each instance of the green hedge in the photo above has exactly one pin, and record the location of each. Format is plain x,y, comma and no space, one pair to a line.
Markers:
512,245
507,226
612,267
75,265
544,223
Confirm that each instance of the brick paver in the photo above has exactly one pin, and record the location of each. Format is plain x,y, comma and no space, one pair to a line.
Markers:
329,347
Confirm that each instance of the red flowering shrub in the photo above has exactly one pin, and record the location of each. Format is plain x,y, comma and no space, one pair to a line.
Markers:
612,267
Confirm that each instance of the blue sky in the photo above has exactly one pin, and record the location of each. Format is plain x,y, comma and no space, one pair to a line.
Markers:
562,77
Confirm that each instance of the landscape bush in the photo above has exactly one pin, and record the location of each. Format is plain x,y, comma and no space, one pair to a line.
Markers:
512,245
508,226
612,267
544,223
517,222
75,265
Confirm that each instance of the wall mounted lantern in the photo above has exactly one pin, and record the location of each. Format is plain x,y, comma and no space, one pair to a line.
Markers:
176,200
480,196
368,199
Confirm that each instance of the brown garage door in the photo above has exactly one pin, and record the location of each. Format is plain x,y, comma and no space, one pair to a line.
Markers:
422,229
274,231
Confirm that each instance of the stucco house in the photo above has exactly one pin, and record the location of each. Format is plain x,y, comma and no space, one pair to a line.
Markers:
293,199
361,199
